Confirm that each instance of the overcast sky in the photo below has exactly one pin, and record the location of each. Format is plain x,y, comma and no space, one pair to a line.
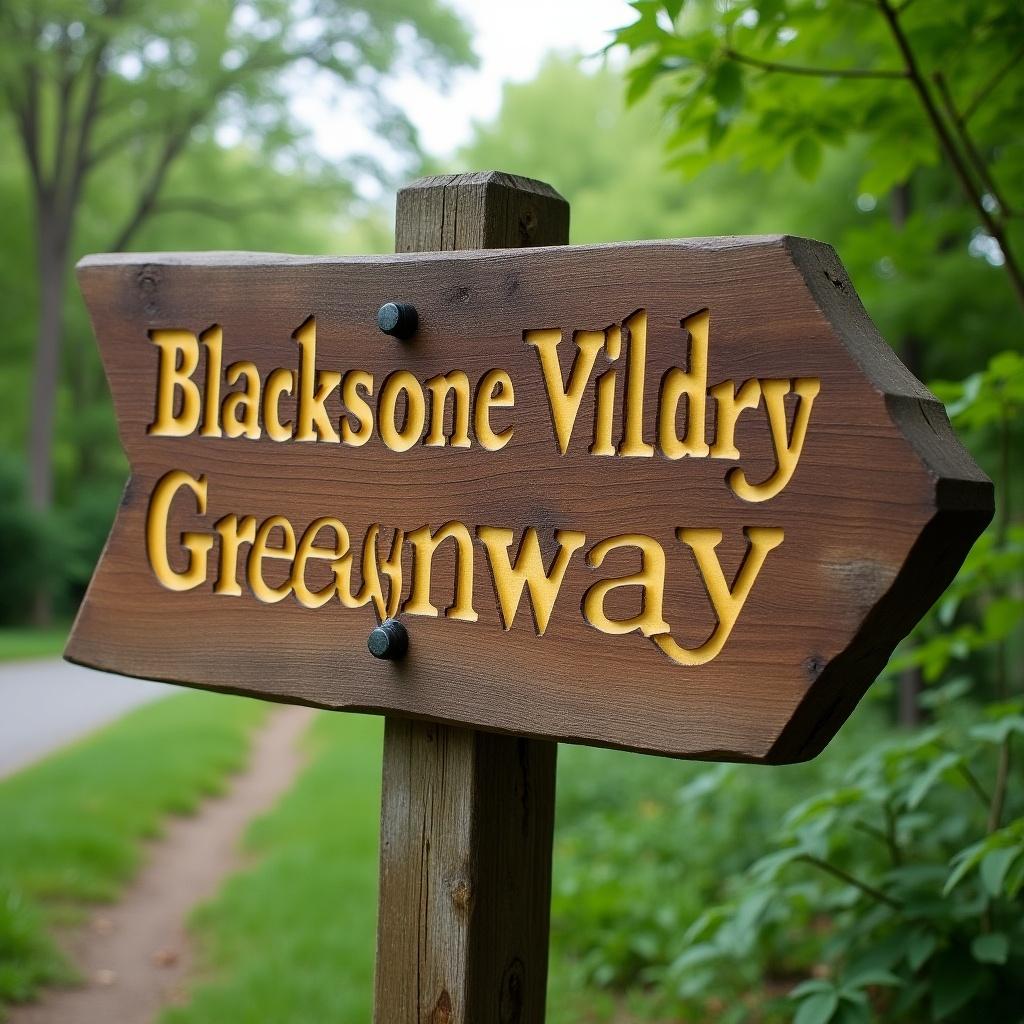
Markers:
510,38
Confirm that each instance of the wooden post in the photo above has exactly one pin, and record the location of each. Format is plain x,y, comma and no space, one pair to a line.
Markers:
466,817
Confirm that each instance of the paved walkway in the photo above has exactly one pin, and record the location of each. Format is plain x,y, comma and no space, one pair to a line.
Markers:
134,956
46,704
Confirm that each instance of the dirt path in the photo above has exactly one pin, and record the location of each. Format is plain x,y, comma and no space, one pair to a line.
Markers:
135,955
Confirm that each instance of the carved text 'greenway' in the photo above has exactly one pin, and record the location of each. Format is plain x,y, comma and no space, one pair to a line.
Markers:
321,563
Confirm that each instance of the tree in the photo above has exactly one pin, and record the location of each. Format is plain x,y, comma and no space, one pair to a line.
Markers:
928,91
130,86
925,85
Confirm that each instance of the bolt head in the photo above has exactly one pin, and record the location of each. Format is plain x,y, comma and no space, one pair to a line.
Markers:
398,319
389,641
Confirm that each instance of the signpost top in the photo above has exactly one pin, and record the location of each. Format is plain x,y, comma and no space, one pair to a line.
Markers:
677,497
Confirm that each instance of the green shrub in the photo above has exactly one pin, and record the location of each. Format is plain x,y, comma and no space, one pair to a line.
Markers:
22,537
881,882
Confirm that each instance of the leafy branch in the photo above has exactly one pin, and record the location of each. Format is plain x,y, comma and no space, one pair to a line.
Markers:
844,876
987,89
949,147
811,72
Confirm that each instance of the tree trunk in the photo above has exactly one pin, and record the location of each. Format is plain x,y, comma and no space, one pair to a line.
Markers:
52,254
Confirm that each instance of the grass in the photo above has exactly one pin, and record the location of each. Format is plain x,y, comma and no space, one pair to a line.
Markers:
292,939
22,643
72,826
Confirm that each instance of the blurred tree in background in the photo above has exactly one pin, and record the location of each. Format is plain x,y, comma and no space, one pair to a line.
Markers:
884,880
115,106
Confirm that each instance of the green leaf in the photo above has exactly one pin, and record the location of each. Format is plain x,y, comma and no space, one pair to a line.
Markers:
997,732
769,866
920,947
727,85
817,1008
923,784
805,988
807,157
673,8
991,949
963,862
955,979
862,979
1002,616
994,866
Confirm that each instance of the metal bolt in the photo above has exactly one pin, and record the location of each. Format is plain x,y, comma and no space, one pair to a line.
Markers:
388,641
398,319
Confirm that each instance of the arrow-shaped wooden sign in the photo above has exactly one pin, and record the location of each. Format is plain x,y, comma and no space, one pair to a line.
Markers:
677,497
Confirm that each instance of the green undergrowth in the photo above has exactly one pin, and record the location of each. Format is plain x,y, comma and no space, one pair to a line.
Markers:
292,938
72,827
21,644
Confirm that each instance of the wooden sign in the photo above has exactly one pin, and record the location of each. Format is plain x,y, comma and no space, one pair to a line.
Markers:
676,497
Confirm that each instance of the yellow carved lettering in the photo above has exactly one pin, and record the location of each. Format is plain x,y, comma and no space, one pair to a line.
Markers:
457,384
241,410
424,544
528,570
196,544
311,420
179,358
564,399
633,443
280,382
727,602
262,550
213,342
650,578
494,391
234,532
309,551
787,449
401,438
358,383
729,404
691,384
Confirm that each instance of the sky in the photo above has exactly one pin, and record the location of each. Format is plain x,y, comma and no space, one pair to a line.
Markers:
510,38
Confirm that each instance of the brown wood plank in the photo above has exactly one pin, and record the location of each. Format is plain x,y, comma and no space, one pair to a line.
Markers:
466,817
880,511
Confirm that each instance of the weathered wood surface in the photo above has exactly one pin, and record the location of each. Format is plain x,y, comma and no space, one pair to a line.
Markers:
467,820
880,511
467,817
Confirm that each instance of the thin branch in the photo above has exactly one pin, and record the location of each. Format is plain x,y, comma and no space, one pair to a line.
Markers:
984,92
845,876
950,148
895,853
977,161
995,814
226,212
66,83
147,200
976,787
871,830
28,134
798,69
117,142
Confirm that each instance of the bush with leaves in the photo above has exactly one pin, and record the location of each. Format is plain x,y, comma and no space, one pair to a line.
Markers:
896,891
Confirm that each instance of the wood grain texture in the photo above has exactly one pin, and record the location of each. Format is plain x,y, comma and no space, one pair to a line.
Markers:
465,883
880,512
467,817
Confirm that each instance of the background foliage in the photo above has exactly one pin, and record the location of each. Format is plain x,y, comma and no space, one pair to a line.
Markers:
883,881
